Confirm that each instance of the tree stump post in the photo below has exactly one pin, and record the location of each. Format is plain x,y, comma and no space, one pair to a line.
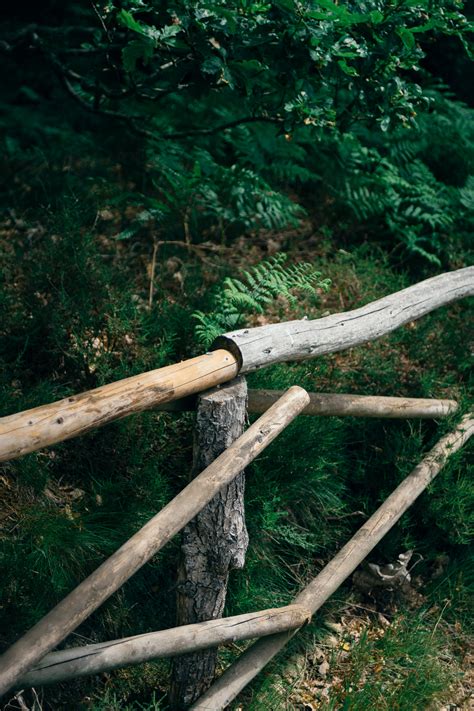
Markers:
214,542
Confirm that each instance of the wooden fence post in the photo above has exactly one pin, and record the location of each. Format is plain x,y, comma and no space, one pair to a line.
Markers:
214,542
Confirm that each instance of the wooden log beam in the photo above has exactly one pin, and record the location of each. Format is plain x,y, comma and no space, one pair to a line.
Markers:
314,595
214,542
105,656
42,426
117,569
299,340
340,405
242,351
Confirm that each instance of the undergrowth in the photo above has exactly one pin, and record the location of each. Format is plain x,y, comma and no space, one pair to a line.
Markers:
80,306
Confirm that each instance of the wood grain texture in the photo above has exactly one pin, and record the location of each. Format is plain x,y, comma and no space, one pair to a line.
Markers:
105,656
42,426
314,595
214,542
112,574
244,350
299,340
340,405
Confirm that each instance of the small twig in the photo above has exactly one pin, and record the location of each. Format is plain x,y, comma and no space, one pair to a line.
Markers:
101,20
187,231
194,247
37,706
151,291
448,602
21,701
198,248
348,605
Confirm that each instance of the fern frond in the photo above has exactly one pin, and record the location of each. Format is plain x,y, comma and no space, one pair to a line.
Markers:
257,288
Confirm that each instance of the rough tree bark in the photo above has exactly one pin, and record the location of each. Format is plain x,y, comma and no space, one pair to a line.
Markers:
214,542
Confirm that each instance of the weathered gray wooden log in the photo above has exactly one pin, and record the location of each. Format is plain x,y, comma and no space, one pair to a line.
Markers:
42,426
299,340
214,542
93,591
314,595
105,656
244,350
340,405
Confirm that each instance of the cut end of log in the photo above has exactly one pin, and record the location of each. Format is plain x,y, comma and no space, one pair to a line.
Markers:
227,343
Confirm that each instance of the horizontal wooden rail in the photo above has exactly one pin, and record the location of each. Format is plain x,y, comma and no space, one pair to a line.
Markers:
340,405
105,656
42,426
243,350
117,569
314,595
299,340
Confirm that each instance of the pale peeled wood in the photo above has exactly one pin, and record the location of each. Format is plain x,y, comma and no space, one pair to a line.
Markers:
105,656
250,348
341,405
42,426
300,340
117,569
314,595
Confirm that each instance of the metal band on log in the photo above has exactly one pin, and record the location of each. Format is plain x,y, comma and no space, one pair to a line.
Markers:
105,656
314,595
299,340
117,569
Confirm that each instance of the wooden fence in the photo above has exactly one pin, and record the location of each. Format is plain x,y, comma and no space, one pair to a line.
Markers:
31,661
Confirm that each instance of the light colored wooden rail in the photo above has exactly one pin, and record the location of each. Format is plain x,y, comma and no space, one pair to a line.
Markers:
314,595
242,351
105,656
42,426
341,405
117,569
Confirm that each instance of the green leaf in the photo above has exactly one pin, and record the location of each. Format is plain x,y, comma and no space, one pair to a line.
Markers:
212,65
385,123
407,37
134,51
376,17
347,69
128,21
168,33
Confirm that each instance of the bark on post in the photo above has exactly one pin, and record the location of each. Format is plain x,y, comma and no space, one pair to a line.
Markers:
214,542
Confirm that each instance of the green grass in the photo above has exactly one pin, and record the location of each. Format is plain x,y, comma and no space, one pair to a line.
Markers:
403,670
69,323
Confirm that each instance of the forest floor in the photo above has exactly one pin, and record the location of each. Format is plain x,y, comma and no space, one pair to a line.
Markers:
61,511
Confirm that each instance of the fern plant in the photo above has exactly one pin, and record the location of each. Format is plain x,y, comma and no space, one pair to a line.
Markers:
259,287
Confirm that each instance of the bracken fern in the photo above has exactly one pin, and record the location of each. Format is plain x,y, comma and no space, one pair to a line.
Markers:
261,285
